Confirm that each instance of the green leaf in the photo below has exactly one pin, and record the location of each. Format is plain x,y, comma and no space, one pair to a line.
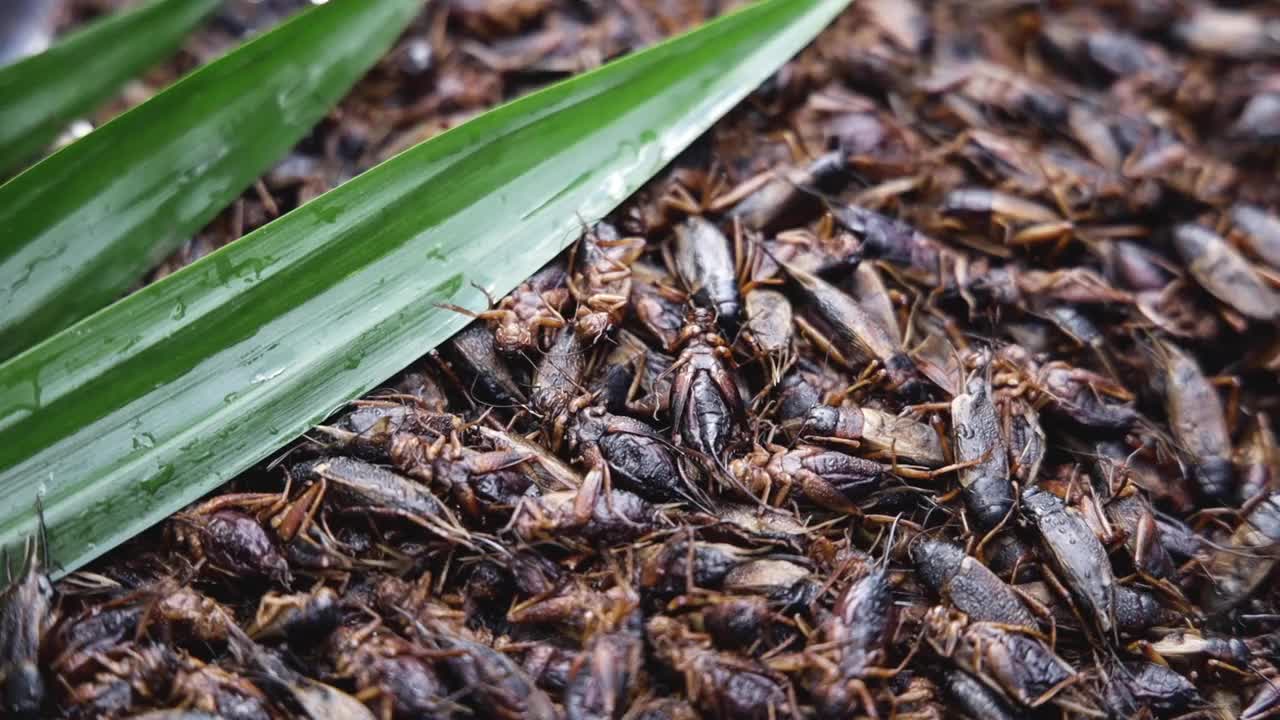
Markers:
87,222
42,93
122,419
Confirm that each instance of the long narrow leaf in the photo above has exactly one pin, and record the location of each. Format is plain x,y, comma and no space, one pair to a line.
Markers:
87,222
120,420
40,95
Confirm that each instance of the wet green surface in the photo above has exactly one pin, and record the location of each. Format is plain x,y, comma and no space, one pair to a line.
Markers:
89,221
41,94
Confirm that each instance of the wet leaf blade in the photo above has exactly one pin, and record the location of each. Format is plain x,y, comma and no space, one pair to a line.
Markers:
46,91
87,222
120,420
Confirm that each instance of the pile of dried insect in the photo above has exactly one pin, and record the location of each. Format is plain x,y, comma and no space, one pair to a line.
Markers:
933,382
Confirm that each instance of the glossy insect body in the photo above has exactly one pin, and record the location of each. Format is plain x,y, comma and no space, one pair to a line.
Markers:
1075,553
72,646
657,305
1131,265
722,685
1148,685
747,525
1259,119
235,543
867,286
1188,644
705,264
1257,459
1076,325
299,617
770,330
1261,231
1136,611
1179,540
706,406
1026,439
1020,221
133,676
1230,33
1197,420
600,684
784,191
476,480
391,674
26,614
826,478
1018,665
993,85
366,430
591,513
889,436
1081,395
1130,509
557,379
976,698
1116,53
1220,269
691,466
796,397
969,585
855,331
677,566
786,583
859,631
369,486
475,355
1143,538
975,428
637,458
896,242
492,681
1264,704
738,622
